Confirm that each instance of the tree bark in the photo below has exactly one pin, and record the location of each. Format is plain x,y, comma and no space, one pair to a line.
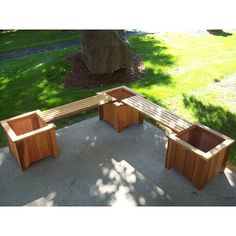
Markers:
105,51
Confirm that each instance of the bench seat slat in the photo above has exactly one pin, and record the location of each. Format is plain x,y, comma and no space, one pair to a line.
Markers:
162,115
75,107
83,102
158,113
153,107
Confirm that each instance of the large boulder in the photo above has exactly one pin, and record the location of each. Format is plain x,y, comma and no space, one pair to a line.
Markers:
105,51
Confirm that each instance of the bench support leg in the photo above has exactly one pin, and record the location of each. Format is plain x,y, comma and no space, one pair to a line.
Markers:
141,118
101,112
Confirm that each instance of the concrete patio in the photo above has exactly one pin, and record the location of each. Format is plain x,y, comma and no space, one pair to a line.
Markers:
99,167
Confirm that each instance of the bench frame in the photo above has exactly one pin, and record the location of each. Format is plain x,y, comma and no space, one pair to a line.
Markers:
34,143
117,113
136,104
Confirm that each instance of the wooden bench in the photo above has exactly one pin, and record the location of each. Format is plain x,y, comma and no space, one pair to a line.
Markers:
30,137
157,113
75,107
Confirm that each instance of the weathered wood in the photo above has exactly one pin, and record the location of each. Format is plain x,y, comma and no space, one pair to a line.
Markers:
157,113
198,153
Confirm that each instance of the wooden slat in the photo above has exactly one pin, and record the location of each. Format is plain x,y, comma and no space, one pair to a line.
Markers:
158,113
180,153
75,107
162,117
159,110
154,107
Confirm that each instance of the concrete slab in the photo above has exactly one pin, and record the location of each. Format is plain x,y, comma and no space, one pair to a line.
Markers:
98,166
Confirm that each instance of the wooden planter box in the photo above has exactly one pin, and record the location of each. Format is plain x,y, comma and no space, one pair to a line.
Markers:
198,153
117,113
30,138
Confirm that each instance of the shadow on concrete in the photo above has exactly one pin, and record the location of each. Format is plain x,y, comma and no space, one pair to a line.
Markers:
98,167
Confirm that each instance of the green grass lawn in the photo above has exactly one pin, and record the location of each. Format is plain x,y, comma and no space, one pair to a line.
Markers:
179,70
36,82
21,39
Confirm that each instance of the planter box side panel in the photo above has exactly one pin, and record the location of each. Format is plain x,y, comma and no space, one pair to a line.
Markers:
127,116
183,160
217,163
180,155
187,163
195,168
34,148
109,112
119,116
13,148
200,173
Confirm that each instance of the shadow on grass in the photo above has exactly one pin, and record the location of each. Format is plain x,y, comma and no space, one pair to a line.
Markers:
156,60
35,83
214,117
218,32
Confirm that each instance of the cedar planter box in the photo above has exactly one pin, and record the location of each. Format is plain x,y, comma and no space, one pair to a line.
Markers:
118,114
30,138
198,153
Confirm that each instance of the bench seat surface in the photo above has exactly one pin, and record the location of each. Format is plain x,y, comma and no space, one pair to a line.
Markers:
157,113
75,107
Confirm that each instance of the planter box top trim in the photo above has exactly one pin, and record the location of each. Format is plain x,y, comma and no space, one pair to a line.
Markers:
225,141
6,124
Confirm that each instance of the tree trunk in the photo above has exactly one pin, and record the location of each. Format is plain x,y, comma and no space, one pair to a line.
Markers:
105,51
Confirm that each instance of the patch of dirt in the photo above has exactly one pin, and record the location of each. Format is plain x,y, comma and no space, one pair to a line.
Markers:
81,77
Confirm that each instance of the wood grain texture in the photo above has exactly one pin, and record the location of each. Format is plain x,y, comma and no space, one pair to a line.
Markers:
189,164
170,155
117,113
157,113
198,154
30,139
75,107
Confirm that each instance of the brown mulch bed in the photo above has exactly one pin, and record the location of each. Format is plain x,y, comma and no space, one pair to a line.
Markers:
81,77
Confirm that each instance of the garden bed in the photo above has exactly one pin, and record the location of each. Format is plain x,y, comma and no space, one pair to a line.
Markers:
81,77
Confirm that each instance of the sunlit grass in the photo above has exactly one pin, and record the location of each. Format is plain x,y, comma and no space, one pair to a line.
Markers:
193,65
36,82
180,72
197,61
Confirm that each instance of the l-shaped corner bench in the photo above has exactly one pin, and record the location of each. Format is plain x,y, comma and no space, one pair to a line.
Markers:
194,150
